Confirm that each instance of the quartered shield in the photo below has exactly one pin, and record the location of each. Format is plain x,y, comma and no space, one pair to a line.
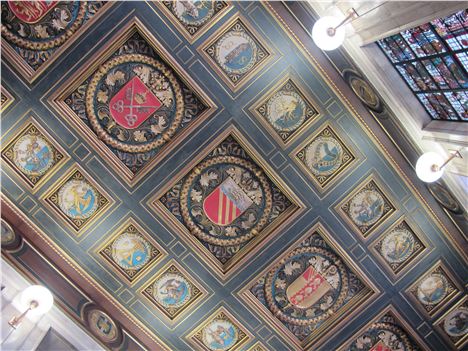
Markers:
31,11
227,202
307,289
133,104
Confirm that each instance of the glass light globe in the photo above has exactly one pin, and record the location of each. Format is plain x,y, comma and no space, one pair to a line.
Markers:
323,35
428,167
41,295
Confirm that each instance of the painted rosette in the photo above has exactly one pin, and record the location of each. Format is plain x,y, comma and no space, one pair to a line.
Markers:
397,246
324,156
134,103
33,155
307,286
172,290
236,52
103,326
77,199
226,200
34,28
286,111
220,335
366,207
193,13
432,289
131,251
8,235
456,323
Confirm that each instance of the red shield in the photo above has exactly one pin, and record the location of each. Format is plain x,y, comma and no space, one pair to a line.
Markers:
227,202
380,346
31,11
133,104
307,289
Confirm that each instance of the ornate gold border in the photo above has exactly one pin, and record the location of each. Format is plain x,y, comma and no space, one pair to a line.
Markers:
29,74
373,176
100,213
9,98
82,273
367,129
446,300
112,234
226,270
57,99
411,263
192,38
263,96
403,325
438,325
190,337
272,54
343,168
327,328
258,346
32,121
192,304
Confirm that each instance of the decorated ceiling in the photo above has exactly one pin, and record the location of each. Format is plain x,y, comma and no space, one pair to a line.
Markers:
197,175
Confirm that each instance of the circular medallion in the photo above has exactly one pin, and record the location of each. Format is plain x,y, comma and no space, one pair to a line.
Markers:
172,290
131,251
432,289
52,28
193,13
366,207
444,198
226,201
102,326
363,90
8,235
456,323
220,335
236,52
134,103
307,286
383,336
397,246
77,199
324,156
33,155
286,111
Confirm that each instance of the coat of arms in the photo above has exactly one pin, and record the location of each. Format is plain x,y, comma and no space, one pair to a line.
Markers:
380,346
31,11
308,288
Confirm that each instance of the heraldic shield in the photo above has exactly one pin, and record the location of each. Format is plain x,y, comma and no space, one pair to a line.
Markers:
31,11
133,104
380,346
227,202
307,289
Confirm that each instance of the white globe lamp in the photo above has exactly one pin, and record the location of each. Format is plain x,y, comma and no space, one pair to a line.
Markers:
35,300
327,33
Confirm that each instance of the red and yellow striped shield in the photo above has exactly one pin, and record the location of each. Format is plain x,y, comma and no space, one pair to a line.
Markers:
31,11
380,346
307,289
227,202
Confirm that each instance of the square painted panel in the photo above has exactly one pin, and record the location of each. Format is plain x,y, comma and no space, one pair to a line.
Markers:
131,251
227,202
173,291
434,290
193,18
286,110
33,154
366,208
324,157
312,286
387,332
399,247
453,324
36,33
236,51
77,199
132,101
220,331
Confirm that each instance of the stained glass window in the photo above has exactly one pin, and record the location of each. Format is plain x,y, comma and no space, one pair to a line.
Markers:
433,60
